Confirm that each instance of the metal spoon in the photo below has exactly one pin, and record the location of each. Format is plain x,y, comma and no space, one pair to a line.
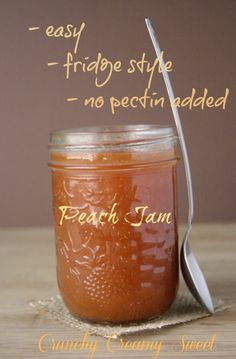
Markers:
191,271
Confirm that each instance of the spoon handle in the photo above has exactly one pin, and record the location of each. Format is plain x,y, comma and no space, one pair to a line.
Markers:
177,122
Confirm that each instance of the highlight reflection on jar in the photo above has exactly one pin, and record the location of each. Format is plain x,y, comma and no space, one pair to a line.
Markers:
115,271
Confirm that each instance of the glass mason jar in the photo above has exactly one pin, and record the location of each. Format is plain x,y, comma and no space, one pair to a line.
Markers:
114,203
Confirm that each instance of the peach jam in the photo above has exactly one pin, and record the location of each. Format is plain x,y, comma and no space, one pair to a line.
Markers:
114,203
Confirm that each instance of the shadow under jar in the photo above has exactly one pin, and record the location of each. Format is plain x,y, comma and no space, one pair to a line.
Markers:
114,203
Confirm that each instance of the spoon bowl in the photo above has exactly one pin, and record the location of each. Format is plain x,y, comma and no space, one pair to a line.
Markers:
194,278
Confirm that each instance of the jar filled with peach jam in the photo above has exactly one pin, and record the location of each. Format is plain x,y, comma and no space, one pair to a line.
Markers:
114,203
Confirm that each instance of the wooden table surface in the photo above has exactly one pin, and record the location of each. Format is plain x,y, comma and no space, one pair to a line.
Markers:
28,272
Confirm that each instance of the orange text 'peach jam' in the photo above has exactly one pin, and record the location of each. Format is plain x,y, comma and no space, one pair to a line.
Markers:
114,201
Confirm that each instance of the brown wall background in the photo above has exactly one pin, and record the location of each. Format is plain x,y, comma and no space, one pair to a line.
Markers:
198,36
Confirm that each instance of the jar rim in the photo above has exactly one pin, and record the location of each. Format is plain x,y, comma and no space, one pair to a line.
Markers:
95,137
